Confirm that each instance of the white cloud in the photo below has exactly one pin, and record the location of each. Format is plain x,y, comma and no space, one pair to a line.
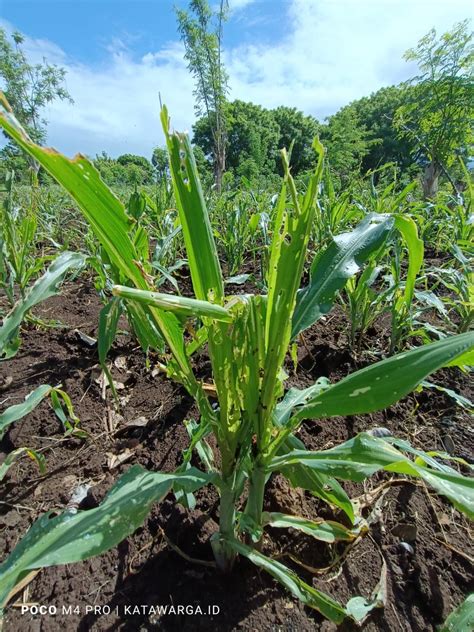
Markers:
334,51
337,51
237,5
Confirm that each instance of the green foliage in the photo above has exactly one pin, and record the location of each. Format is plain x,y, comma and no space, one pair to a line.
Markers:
77,535
376,114
29,88
461,619
128,169
346,139
19,260
296,131
334,265
253,135
159,160
438,115
43,288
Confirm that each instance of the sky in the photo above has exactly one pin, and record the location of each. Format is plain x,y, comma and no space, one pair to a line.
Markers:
120,55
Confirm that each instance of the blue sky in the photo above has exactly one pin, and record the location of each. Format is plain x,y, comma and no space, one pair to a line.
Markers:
316,55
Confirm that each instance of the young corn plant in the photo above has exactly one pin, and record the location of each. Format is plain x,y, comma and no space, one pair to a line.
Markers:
363,302
19,260
458,280
45,286
64,410
255,422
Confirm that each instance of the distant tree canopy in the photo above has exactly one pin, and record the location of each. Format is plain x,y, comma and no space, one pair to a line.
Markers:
128,169
159,160
255,135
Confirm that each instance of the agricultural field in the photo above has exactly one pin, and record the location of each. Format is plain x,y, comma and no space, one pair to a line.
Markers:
235,386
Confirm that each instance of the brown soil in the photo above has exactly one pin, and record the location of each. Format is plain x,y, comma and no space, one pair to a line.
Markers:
424,542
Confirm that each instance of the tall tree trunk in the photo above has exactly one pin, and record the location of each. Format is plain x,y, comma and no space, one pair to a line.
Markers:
219,164
430,180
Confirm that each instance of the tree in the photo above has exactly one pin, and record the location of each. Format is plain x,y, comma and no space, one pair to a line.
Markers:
143,171
439,113
252,139
254,136
28,88
159,160
202,38
377,113
127,169
346,142
296,127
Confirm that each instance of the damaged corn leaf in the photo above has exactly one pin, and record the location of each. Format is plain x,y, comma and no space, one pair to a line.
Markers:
77,535
384,383
335,265
364,455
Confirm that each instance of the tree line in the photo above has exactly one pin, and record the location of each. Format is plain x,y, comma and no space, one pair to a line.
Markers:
423,125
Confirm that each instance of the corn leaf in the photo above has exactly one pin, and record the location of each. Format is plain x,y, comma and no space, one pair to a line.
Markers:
74,536
111,225
335,265
407,227
384,383
324,530
17,411
80,178
310,596
201,250
287,255
12,457
43,288
461,619
364,455
296,397
181,305
317,483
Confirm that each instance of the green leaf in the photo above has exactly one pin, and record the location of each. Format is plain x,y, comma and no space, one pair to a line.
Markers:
318,483
17,411
461,619
460,400
292,227
111,225
43,288
324,530
78,535
407,227
12,457
310,596
201,249
108,321
364,455
384,383
335,265
81,179
296,397
181,305
358,608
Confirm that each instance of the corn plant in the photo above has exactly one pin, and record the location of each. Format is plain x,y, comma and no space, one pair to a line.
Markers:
363,302
44,287
334,213
458,280
235,224
19,262
255,422
62,406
